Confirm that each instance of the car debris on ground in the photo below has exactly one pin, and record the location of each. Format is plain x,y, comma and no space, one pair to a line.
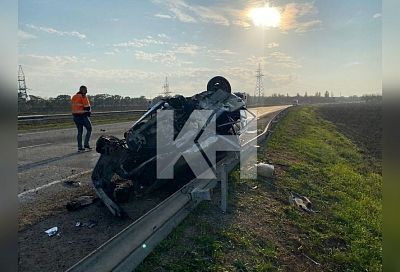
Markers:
300,201
52,231
80,202
90,224
123,191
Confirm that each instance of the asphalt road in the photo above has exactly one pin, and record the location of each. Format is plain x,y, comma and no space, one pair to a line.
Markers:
48,157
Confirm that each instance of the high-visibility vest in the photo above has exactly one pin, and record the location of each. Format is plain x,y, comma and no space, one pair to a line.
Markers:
79,103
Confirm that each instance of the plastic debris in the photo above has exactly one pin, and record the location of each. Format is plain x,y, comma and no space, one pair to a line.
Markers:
265,170
78,224
301,201
52,231
80,202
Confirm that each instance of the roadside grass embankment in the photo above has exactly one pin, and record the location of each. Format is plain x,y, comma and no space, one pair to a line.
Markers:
262,232
327,167
69,123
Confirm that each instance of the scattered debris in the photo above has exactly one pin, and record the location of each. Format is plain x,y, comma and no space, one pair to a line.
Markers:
52,231
255,187
315,262
92,223
80,202
72,183
300,201
123,192
134,157
265,170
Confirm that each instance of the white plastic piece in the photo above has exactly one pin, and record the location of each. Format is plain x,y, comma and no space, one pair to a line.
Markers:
265,170
52,231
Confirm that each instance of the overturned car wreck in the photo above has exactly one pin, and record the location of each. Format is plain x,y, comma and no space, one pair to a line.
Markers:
135,157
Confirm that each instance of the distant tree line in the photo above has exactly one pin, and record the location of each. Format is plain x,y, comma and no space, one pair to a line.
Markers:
106,102
318,97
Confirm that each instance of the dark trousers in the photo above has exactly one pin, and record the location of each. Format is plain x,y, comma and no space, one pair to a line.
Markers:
80,122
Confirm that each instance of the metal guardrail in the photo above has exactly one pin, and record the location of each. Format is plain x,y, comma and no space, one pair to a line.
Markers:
57,116
126,250
38,117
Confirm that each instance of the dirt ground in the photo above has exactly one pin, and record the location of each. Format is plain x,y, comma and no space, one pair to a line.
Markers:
351,121
38,252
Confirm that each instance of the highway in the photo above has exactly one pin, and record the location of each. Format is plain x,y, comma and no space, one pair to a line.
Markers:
49,157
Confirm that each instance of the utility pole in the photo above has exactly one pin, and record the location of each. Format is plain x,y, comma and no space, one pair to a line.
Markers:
259,91
166,91
22,84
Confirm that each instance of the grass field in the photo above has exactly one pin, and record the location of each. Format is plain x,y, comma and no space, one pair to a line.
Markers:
263,232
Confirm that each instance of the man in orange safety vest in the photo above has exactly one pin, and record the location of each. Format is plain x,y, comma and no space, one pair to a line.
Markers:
81,112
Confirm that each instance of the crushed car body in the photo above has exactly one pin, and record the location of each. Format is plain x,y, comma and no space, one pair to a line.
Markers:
134,157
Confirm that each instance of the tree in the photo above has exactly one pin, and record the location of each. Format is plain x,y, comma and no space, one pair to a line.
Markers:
326,94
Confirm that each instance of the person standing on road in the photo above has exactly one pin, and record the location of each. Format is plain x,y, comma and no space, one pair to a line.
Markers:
81,112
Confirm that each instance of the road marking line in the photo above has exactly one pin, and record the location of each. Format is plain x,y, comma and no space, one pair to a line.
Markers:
52,183
31,146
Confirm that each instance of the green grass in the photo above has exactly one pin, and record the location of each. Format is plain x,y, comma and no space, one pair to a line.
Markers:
69,123
324,165
263,232
201,245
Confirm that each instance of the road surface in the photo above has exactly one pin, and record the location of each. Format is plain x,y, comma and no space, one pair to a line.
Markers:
49,157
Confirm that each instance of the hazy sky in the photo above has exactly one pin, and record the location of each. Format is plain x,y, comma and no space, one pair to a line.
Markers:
128,47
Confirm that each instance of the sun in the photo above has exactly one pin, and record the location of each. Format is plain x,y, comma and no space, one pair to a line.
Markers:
266,16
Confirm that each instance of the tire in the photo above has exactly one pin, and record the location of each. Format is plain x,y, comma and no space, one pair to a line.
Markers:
217,83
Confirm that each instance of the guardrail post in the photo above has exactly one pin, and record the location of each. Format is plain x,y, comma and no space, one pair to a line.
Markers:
224,187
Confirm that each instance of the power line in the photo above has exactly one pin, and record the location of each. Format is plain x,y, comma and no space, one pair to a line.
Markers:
259,91
22,89
166,91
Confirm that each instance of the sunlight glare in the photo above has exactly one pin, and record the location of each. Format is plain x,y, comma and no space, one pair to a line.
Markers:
265,16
